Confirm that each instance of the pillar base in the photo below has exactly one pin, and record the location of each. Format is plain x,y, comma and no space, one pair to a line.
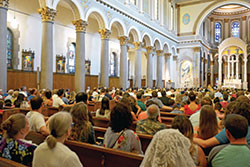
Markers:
245,85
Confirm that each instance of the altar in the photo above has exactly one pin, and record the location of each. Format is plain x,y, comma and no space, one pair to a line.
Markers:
232,83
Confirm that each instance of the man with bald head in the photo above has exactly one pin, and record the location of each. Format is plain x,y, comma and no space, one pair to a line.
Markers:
150,125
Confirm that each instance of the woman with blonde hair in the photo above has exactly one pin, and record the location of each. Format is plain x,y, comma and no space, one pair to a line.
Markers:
183,124
82,129
53,152
12,143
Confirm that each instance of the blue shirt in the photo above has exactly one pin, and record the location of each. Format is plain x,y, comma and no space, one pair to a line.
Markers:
222,138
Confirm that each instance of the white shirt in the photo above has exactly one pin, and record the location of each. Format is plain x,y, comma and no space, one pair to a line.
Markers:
36,121
57,101
60,156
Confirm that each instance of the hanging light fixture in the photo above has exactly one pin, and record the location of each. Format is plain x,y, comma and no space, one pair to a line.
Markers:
14,22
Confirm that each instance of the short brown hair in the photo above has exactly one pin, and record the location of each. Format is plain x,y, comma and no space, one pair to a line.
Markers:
237,125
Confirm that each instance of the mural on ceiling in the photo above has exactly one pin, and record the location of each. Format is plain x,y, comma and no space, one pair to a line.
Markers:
186,74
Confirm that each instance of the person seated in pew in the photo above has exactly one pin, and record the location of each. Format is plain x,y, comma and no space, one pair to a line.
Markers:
192,107
151,125
52,152
1,105
168,148
82,130
139,101
36,119
125,100
57,99
118,134
104,111
158,102
144,115
183,124
12,143
237,152
48,102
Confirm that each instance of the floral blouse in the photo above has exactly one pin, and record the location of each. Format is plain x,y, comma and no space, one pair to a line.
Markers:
126,140
17,150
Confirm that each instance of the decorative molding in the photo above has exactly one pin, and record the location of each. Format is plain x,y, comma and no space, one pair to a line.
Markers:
150,49
230,13
137,45
123,40
80,25
159,52
4,4
167,54
105,33
197,49
211,63
47,14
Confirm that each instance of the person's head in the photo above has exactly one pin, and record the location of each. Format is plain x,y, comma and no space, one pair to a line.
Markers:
8,103
59,127
132,100
104,105
217,106
126,101
236,126
225,96
163,93
154,94
208,122
10,92
36,103
79,113
192,96
216,100
178,98
120,118
60,92
171,102
23,88
150,102
168,148
16,126
243,98
243,109
139,95
48,94
81,97
1,104
206,101
33,91
20,97
153,111
183,124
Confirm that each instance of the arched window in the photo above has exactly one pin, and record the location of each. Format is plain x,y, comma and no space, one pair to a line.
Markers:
217,32
72,56
236,29
9,48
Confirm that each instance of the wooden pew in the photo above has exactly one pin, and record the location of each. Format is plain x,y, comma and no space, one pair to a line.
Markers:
172,115
104,122
9,163
49,111
98,156
35,137
167,120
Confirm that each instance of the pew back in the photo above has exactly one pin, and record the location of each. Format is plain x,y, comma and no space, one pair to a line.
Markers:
9,163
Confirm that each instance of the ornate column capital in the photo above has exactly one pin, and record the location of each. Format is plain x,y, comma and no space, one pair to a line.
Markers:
202,59
105,33
47,14
244,18
167,54
211,63
137,45
123,40
159,52
206,61
150,49
226,20
197,49
80,25
4,3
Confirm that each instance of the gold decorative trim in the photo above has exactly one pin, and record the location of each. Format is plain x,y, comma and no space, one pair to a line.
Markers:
137,45
150,49
80,25
4,3
197,49
211,63
244,18
194,3
159,52
123,40
105,33
206,61
47,14
167,54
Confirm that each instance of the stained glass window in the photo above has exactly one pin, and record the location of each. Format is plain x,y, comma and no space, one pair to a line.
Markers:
72,56
236,29
217,32
9,48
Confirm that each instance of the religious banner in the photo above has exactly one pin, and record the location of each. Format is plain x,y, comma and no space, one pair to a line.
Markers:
27,60
186,74
60,64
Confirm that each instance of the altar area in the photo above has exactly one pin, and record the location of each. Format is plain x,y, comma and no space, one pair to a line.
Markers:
232,83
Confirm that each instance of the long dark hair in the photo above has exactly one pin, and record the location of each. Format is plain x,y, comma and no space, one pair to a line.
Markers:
104,105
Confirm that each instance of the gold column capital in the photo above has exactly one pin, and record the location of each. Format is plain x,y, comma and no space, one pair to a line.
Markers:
159,52
123,40
150,49
206,61
4,3
197,49
105,33
226,20
244,18
202,59
47,14
137,45
167,54
80,25
211,63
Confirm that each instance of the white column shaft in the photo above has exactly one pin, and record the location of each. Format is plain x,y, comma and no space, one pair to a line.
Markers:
124,67
159,71
138,68
149,71
104,77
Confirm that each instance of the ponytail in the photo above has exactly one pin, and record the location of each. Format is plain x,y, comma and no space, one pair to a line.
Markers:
51,141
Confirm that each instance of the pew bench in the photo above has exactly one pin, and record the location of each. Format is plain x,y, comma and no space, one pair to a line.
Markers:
9,163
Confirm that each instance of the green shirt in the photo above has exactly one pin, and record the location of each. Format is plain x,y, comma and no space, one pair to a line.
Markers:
232,156
149,126
141,105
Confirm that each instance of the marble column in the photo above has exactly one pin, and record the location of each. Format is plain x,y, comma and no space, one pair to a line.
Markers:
159,54
212,31
237,66
138,46
140,5
228,63
124,62
3,44
150,50
245,74
104,73
244,28
206,71
232,67
48,16
80,55
226,28
225,72
202,71
220,72
212,73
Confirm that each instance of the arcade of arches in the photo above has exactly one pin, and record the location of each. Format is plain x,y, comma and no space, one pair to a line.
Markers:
123,43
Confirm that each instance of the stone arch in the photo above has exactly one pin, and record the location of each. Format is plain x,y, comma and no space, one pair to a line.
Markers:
119,25
147,38
75,6
166,48
174,51
135,33
157,44
213,6
99,16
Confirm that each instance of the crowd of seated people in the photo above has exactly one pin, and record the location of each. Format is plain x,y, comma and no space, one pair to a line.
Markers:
203,123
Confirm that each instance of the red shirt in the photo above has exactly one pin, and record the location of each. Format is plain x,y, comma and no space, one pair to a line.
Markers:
188,111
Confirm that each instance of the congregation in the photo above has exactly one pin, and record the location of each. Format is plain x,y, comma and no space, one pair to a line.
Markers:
209,127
